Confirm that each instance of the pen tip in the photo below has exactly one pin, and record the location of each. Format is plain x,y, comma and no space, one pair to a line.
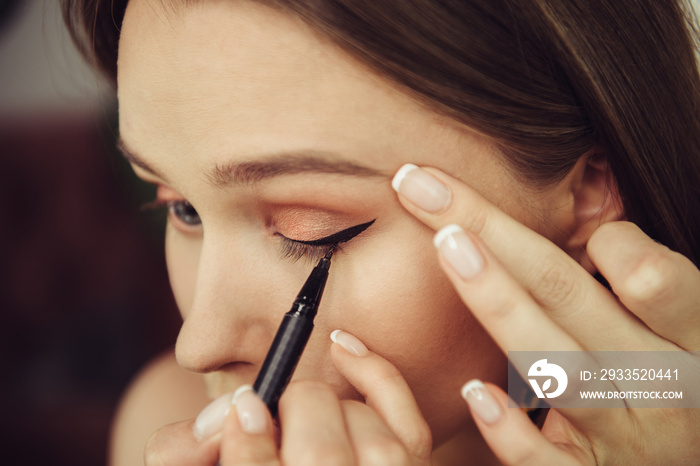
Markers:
330,252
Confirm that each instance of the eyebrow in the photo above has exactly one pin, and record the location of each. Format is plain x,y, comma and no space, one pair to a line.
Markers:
271,166
136,160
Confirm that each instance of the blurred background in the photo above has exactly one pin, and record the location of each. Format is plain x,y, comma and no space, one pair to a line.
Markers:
84,295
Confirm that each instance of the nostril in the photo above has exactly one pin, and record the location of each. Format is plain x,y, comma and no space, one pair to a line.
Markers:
220,335
205,345
239,366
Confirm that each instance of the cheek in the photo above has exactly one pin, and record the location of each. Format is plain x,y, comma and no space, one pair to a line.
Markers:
182,256
405,309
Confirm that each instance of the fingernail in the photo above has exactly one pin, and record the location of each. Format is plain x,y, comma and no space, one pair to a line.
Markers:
211,419
459,250
349,342
482,403
252,412
421,188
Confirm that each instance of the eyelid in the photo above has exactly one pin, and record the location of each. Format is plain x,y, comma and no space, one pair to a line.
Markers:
314,250
165,197
164,193
342,236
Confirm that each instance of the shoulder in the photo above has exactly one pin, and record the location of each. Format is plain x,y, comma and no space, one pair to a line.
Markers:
162,393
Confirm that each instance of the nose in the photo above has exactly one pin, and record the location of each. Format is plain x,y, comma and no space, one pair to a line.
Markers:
233,315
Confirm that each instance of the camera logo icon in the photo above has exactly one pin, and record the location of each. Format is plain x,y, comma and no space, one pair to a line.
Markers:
542,368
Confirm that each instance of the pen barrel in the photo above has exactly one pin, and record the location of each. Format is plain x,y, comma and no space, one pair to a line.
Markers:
283,356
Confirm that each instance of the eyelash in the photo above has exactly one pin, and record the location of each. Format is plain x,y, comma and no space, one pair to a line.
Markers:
290,249
170,206
294,251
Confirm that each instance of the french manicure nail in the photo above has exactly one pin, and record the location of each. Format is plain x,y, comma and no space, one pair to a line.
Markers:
350,343
482,403
421,188
459,250
211,419
252,412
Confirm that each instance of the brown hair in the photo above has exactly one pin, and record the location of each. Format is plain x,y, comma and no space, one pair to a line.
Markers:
548,80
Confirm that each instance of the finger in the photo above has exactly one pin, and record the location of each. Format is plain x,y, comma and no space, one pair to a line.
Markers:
570,295
248,434
313,426
374,444
507,312
385,391
510,315
511,435
175,445
660,286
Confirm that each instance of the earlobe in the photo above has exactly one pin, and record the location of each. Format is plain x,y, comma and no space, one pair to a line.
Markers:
596,201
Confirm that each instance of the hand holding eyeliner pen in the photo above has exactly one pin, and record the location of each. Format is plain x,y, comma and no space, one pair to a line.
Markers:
291,337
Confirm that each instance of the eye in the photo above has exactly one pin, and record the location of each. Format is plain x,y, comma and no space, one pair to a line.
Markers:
314,250
184,212
295,250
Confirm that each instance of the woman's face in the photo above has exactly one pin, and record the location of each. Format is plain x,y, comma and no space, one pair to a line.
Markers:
270,132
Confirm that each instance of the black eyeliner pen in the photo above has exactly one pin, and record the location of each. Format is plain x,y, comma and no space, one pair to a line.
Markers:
291,337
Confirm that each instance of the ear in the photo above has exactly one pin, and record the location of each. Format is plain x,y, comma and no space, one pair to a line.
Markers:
596,200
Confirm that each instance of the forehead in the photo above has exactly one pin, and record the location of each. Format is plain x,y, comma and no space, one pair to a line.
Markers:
239,75
210,42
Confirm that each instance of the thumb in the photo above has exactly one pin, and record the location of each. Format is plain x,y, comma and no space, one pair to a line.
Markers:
175,445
